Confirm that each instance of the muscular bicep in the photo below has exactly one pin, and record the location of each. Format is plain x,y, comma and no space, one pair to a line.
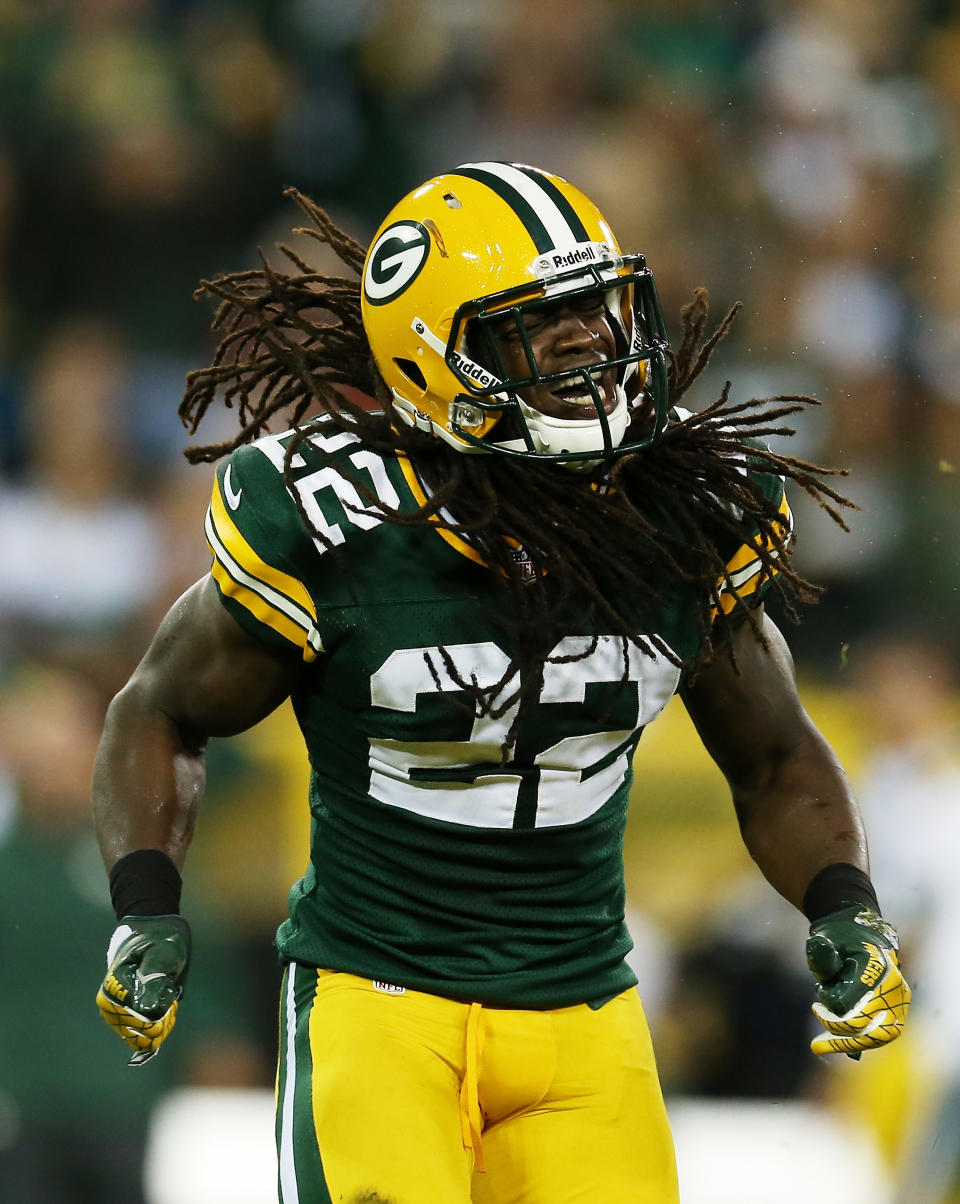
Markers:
793,801
749,716
202,676
206,673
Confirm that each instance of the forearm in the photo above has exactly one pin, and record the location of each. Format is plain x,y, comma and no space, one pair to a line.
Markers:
800,815
148,781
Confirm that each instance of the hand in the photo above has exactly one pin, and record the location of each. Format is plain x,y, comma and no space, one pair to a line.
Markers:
147,963
862,997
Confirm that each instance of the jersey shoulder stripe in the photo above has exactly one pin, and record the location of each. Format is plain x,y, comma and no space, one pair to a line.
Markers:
273,597
275,517
746,579
421,495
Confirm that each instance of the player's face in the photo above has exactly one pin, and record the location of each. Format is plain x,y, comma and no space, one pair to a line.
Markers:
572,333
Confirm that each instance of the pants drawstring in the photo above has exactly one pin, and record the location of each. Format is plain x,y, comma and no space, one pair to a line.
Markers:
471,1120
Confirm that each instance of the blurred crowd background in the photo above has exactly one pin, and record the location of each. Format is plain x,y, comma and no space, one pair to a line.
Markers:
800,158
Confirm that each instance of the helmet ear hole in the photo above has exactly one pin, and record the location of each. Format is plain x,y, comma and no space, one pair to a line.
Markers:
411,370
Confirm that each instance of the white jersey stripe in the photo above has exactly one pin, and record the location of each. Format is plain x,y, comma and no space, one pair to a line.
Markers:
289,1191
274,599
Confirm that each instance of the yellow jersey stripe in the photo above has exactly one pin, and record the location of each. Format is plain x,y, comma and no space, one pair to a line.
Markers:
231,538
234,583
273,597
748,551
261,610
744,567
420,497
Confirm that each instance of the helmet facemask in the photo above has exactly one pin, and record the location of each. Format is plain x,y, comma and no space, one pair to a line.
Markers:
634,317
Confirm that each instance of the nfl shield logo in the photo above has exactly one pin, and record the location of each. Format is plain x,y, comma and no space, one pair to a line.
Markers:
528,573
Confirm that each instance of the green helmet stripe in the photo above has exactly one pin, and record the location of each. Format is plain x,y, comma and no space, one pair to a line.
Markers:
577,227
518,203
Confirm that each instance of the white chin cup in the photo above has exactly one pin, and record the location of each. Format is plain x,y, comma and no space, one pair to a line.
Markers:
555,435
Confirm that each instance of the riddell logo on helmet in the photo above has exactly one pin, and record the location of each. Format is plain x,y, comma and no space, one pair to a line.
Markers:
582,254
479,375
556,261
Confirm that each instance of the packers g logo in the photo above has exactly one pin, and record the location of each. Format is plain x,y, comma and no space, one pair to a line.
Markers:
395,261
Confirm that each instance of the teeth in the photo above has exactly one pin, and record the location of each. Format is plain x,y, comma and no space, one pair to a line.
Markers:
583,396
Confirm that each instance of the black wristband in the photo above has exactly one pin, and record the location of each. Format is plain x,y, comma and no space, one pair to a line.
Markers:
145,883
836,886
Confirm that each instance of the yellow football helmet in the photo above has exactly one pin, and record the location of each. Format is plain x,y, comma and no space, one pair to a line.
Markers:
489,242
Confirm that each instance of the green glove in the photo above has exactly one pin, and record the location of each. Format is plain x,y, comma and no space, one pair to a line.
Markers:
862,997
147,962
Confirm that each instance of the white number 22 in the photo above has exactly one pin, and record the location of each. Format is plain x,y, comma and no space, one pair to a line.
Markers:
568,792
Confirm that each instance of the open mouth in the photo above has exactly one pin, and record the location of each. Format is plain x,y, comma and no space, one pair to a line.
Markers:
576,400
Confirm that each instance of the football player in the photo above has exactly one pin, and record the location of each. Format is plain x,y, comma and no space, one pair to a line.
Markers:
476,596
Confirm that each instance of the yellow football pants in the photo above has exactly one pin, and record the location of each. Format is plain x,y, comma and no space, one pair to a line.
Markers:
399,1097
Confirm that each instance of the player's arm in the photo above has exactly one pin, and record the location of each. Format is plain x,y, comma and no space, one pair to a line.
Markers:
202,676
802,826
793,801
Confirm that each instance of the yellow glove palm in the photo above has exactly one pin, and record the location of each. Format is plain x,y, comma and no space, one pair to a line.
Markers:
862,996
147,963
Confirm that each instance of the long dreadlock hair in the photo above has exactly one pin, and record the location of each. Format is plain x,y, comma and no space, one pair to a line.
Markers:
609,546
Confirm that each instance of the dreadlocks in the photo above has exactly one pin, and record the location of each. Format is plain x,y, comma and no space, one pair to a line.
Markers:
609,546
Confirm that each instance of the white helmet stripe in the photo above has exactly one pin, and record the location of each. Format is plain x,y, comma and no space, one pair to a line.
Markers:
551,228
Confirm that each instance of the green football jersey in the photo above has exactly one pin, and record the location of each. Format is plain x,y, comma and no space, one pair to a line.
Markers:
433,865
